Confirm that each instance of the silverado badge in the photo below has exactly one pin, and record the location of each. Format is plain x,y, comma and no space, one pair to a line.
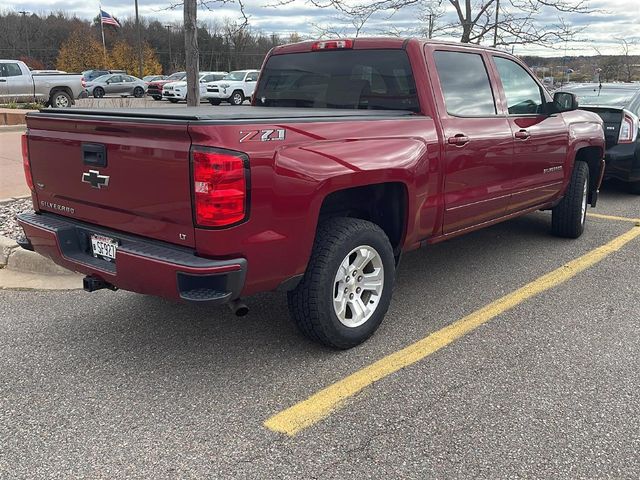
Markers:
94,178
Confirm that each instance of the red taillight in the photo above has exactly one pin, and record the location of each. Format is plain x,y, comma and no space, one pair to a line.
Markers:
25,162
331,45
83,82
219,187
628,128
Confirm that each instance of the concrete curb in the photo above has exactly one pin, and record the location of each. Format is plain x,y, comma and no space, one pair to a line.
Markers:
13,116
13,128
23,269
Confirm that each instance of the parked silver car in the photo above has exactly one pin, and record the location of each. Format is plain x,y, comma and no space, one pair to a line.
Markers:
116,84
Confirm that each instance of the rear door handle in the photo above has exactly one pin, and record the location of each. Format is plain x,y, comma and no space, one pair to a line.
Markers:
2,80
458,139
522,134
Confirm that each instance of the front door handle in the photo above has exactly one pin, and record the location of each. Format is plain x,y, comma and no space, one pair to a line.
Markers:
2,80
522,134
458,139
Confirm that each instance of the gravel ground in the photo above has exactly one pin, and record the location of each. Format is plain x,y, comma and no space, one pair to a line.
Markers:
8,211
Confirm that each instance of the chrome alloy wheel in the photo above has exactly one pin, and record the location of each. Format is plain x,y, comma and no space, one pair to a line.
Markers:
358,286
584,204
61,101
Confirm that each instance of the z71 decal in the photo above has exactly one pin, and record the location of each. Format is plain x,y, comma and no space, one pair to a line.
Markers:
267,135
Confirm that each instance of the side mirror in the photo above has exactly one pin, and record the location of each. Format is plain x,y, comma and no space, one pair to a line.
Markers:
564,102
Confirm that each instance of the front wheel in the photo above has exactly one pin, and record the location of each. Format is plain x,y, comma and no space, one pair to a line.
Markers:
138,92
214,101
346,290
173,100
569,216
635,187
157,97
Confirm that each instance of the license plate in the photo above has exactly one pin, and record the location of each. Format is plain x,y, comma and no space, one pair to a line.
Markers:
104,247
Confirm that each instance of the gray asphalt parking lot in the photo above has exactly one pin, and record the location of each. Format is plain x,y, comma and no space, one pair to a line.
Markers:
112,385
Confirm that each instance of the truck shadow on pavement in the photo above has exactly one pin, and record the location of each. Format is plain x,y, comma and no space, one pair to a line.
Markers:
435,286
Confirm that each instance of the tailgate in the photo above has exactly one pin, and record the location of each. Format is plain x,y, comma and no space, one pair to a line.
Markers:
131,176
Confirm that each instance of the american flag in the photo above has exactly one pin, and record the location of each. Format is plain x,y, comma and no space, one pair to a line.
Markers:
107,19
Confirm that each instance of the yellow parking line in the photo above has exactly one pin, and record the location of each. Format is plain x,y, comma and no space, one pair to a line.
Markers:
318,406
616,218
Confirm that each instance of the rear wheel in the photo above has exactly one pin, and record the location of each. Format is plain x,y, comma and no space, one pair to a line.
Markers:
98,92
237,98
173,100
635,187
214,101
569,216
346,290
60,99
157,97
138,92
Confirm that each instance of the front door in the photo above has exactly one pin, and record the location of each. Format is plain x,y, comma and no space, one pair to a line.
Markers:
478,142
540,140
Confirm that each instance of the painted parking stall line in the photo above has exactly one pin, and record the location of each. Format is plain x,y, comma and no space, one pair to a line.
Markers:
616,218
321,404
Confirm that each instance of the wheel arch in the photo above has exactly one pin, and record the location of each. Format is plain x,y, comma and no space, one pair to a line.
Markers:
592,156
385,204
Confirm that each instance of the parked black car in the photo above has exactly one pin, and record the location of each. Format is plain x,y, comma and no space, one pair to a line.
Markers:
618,104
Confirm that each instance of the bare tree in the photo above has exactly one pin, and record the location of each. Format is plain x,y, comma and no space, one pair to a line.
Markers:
506,22
628,64
344,24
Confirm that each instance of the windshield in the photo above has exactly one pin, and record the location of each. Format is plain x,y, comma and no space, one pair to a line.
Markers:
236,76
608,96
177,76
363,79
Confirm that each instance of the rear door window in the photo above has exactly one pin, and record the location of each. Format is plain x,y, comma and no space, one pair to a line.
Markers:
10,70
465,84
523,93
347,79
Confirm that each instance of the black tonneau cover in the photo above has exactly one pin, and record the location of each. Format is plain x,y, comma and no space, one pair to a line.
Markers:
221,114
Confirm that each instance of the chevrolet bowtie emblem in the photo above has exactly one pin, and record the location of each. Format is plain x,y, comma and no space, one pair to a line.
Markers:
94,178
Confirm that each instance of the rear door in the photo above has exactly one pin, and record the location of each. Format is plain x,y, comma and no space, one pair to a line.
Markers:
128,175
17,84
478,142
540,140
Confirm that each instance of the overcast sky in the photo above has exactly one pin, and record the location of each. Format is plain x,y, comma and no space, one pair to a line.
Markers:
614,19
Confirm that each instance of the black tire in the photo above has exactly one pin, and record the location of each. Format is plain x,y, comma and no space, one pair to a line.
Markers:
138,92
214,101
568,218
157,97
236,98
311,303
60,99
173,100
634,187
98,92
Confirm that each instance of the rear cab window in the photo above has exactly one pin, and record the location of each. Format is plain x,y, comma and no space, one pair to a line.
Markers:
348,79
10,70
465,84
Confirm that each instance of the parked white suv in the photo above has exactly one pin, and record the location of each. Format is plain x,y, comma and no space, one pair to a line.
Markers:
235,87
176,91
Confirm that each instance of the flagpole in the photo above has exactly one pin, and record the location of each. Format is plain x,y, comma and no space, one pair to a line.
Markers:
104,48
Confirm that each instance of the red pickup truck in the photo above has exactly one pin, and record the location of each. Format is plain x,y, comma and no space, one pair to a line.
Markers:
353,152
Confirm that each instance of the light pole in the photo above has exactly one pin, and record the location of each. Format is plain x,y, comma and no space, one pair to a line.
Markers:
140,72
26,29
168,27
